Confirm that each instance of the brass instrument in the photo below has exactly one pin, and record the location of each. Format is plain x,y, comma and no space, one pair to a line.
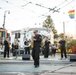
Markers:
32,43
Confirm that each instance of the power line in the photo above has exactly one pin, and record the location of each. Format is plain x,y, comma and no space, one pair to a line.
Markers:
25,4
10,3
50,9
59,8
61,3
67,4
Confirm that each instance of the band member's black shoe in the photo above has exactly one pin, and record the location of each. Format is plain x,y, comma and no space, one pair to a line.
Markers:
36,66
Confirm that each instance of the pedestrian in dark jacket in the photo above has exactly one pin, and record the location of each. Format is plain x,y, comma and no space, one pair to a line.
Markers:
36,48
6,48
13,47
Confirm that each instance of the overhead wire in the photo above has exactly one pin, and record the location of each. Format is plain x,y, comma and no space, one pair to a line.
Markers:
64,5
43,6
16,5
67,4
57,10
40,5
25,4
61,7
61,3
50,9
10,3
58,6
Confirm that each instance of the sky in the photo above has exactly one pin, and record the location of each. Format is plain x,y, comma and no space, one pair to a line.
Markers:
32,13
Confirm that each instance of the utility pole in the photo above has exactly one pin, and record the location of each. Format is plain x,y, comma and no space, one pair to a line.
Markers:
64,25
64,29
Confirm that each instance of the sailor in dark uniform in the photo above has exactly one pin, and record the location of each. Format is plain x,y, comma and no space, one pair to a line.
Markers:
36,48
46,48
63,48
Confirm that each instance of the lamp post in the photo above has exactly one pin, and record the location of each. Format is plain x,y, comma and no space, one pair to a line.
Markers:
7,11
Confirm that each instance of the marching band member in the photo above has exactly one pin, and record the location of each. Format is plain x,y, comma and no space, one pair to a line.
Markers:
36,48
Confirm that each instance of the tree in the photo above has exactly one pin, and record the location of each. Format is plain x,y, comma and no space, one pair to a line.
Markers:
48,23
56,36
61,35
71,43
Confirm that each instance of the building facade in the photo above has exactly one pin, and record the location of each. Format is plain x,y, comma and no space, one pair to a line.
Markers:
20,35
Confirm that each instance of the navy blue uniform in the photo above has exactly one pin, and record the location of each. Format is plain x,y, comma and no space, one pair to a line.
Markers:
46,49
63,48
36,49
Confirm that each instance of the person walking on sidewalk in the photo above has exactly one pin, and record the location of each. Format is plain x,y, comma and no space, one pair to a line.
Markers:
36,48
63,48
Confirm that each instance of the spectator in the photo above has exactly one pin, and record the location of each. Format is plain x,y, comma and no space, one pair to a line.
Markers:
6,48
63,48
13,47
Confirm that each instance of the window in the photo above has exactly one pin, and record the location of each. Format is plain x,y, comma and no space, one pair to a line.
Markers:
17,35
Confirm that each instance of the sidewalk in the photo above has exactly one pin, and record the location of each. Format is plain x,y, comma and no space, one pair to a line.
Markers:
48,66
50,60
57,57
19,58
